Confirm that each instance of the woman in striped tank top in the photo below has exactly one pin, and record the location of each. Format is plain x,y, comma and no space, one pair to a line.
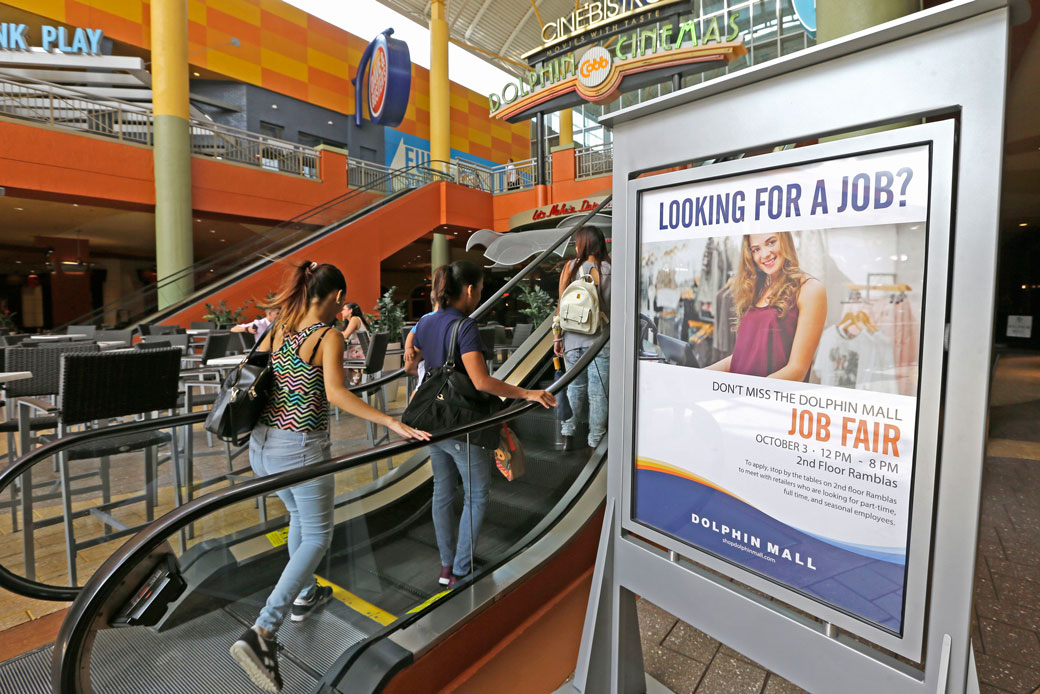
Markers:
293,431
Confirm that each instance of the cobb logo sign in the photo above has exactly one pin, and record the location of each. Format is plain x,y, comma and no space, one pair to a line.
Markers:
594,67
387,66
377,77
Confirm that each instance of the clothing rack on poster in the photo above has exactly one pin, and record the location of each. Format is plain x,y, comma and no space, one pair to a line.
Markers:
870,285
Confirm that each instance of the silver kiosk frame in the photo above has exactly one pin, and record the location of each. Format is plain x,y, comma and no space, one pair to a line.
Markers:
949,61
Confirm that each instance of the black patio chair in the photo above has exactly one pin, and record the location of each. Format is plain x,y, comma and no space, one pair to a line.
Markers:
44,363
94,389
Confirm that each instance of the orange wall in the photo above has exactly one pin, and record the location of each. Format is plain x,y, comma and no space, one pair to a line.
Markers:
359,248
564,187
288,51
61,163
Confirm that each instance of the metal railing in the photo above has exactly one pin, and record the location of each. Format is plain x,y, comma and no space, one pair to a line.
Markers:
504,178
271,243
243,147
70,109
597,160
383,179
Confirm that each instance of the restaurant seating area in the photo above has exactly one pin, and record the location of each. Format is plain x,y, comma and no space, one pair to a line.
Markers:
65,516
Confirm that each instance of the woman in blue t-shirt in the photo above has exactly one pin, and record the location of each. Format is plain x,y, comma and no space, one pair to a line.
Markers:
457,293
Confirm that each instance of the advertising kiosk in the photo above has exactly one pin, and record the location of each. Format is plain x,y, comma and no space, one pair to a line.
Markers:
801,479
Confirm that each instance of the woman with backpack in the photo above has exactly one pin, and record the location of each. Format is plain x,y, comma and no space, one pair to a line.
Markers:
457,294
591,264
293,432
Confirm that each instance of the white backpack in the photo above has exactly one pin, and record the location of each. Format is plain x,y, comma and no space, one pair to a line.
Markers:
579,306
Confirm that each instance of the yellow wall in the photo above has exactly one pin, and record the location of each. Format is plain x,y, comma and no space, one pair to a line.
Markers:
288,51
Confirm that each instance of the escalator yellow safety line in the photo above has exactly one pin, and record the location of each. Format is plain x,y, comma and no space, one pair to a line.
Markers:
429,601
359,605
278,538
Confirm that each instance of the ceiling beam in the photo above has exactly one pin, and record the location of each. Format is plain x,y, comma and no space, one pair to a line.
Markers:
491,54
516,31
537,14
458,14
476,20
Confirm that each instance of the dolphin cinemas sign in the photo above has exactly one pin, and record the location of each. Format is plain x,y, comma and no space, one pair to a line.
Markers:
631,51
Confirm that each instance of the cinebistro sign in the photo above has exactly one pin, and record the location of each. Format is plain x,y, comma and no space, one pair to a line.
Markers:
595,74
592,15
15,37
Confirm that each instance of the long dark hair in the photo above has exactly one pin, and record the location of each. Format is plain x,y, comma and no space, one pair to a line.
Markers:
448,285
307,281
355,310
588,242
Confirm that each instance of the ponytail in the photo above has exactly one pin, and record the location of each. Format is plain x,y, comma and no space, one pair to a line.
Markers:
306,282
450,280
355,310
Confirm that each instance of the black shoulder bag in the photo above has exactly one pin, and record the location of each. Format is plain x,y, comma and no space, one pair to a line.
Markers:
242,397
448,399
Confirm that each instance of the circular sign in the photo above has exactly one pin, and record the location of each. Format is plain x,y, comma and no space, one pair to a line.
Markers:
378,76
594,67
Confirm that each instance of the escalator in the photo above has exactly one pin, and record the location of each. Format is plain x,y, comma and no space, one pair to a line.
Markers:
251,255
389,612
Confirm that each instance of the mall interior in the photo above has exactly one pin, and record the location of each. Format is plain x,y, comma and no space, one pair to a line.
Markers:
165,163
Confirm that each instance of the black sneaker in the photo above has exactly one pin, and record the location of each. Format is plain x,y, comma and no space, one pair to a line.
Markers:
259,658
302,609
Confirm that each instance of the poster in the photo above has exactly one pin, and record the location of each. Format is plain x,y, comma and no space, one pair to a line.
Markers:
777,387
1020,326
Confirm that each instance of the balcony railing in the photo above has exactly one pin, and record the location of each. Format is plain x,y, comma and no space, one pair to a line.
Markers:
597,160
68,109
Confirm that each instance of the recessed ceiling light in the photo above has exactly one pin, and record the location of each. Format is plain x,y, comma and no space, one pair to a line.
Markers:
212,231
223,240
1023,224
331,123
75,204
274,106
197,219
195,73
19,208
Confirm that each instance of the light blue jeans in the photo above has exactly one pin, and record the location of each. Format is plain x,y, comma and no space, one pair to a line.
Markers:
449,459
309,504
590,387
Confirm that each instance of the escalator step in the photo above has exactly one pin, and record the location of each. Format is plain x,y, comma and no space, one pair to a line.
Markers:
27,674
318,641
191,658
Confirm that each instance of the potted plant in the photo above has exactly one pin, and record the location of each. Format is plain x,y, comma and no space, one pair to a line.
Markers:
221,315
389,318
7,319
538,305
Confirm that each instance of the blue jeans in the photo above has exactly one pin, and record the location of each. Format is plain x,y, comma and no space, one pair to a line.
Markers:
309,504
448,458
590,387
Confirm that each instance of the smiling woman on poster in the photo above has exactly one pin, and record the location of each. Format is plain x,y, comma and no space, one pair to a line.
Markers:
780,311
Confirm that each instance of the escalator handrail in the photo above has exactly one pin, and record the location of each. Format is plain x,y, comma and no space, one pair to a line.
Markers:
42,591
237,249
509,285
520,276
21,585
75,630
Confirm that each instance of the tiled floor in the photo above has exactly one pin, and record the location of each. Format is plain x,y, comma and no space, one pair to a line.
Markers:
1007,575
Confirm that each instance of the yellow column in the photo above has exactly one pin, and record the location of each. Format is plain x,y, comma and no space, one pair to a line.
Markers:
171,151
440,112
566,127
440,91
